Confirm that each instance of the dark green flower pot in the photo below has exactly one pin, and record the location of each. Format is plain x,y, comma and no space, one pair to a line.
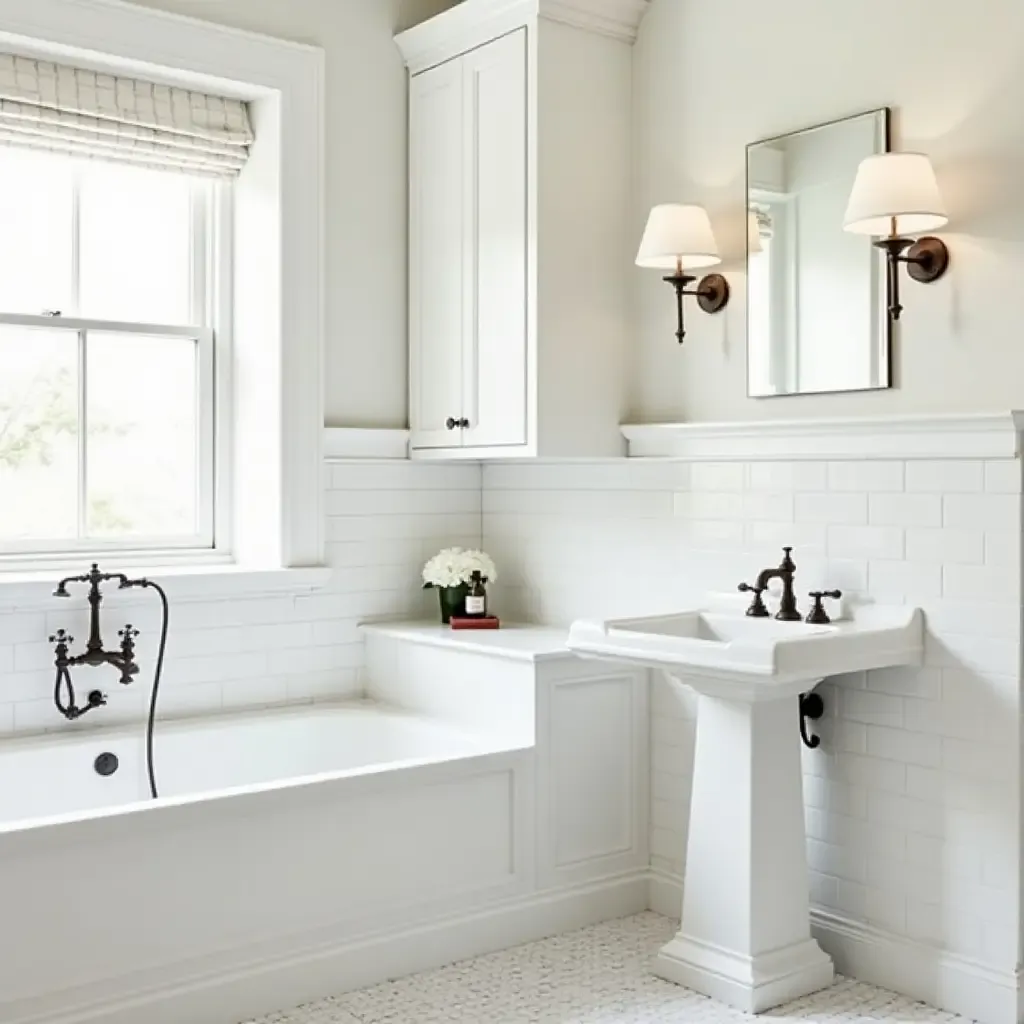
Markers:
453,602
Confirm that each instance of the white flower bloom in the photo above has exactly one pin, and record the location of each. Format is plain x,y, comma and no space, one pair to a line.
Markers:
444,569
455,566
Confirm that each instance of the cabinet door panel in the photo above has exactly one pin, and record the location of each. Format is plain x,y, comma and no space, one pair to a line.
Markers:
495,254
436,300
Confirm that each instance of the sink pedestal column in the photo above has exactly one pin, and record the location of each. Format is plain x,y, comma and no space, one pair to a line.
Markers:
745,937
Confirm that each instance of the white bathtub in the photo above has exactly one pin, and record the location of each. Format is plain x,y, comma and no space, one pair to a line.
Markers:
43,780
297,854
277,834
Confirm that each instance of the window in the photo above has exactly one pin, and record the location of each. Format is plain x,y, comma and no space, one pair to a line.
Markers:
107,280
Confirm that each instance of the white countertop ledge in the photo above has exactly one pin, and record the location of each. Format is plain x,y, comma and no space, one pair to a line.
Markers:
513,641
31,590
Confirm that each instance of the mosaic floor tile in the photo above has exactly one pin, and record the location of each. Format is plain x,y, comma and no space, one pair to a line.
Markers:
600,975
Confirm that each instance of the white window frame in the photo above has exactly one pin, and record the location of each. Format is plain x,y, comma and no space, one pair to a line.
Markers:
209,327
276,517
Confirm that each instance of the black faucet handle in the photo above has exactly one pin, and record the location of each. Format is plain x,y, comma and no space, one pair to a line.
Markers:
757,609
818,616
128,633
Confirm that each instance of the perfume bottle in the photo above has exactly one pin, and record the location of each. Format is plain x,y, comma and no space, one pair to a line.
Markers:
476,599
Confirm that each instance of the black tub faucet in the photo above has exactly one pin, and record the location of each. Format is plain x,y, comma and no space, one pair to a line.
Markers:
786,572
95,654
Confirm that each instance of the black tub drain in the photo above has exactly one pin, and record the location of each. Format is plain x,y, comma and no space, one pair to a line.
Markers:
106,764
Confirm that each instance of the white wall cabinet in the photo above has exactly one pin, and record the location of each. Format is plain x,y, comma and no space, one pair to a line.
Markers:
468,244
520,234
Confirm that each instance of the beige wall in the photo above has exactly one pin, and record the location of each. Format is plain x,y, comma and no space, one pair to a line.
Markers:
711,77
366,174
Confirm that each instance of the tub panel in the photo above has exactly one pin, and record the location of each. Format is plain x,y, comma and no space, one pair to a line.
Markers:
102,899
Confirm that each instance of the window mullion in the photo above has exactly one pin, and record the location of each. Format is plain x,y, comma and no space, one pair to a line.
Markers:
83,434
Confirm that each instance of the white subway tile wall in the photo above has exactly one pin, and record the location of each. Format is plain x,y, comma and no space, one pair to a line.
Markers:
913,801
383,521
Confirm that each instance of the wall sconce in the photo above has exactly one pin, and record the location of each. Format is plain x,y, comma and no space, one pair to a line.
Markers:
680,238
896,196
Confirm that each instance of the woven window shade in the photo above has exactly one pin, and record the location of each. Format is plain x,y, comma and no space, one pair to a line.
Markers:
84,113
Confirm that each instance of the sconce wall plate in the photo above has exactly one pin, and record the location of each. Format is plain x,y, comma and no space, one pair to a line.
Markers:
928,259
713,293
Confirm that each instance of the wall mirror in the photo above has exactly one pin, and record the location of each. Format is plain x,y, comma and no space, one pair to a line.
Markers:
816,295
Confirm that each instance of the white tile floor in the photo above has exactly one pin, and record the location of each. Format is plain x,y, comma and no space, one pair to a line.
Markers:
600,975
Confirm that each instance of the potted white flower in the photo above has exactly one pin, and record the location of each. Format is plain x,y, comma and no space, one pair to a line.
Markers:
449,573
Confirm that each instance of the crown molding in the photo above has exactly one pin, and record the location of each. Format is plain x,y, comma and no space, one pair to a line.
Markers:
976,436
619,19
473,22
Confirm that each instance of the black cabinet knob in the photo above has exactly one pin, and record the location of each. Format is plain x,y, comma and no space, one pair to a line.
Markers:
457,424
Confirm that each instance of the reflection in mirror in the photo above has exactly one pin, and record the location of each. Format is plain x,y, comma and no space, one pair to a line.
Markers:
816,295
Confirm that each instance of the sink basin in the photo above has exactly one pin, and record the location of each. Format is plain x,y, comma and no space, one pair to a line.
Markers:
715,627
745,937
720,650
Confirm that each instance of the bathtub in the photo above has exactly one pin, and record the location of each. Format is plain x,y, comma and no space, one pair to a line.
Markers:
48,780
485,797
277,835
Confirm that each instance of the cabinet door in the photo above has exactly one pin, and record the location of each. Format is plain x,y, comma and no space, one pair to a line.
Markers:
495,247
436,257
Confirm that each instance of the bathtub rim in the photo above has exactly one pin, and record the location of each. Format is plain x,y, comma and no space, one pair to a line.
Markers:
211,718
383,773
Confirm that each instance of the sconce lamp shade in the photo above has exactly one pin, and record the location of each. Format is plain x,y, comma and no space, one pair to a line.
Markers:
678,233
898,187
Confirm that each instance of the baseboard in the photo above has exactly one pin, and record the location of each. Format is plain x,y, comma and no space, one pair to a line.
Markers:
666,895
934,976
295,975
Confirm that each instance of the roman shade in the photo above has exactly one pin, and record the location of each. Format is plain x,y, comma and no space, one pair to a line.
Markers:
86,113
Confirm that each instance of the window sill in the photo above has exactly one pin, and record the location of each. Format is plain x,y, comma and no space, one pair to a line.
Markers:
26,590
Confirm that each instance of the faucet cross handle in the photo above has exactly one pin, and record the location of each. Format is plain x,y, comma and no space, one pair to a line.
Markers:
757,609
818,616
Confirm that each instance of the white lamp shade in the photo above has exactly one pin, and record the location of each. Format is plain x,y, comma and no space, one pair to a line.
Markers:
675,234
900,187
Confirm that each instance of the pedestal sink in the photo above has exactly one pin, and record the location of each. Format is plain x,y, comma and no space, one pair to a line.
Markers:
745,937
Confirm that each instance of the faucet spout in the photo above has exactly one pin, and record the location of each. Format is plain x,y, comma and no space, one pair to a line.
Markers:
766,576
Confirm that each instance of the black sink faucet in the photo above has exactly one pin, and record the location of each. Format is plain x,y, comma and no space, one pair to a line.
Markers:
786,572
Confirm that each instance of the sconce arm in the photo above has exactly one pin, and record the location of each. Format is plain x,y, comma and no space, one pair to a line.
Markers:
712,295
927,259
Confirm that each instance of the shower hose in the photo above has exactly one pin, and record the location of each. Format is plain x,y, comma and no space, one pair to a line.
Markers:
155,692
